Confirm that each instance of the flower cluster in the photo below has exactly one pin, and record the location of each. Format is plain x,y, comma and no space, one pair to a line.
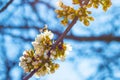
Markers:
69,13
33,59
83,15
26,60
95,3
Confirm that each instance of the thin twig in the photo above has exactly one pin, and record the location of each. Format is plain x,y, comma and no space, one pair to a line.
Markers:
5,7
83,2
59,40
31,74
86,2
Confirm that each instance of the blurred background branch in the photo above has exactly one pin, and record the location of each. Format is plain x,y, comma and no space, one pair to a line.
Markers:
106,38
3,8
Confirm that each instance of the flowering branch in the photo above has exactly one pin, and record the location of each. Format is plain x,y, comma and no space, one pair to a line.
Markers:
46,50
56,43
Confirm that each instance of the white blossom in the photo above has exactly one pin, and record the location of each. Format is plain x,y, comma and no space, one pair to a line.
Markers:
49,34
26,69
40,61
43,73
23,64
35,44
51,57
45,56
29,60
34,63
20,64
46,64
68,48
25,52
54,52
39,38
59,3
39,51
46,51
22,58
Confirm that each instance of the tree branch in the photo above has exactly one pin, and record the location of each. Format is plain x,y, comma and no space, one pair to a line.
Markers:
31,74
64,34
5,7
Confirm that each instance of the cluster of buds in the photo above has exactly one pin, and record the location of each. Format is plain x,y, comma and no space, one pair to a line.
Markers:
38,57
26,60
95,3
83,15
69,13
